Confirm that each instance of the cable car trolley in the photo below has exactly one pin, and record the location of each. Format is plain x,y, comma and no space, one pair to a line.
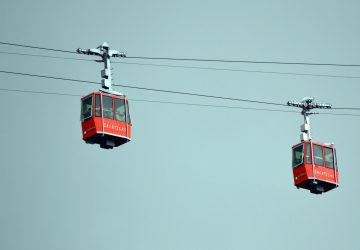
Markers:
314,164
105,116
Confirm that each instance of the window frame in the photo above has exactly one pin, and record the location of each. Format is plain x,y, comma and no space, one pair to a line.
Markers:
103,107
115,108
333,158
98,105
128,118
322,155
293,155
335,161
82,114
308,153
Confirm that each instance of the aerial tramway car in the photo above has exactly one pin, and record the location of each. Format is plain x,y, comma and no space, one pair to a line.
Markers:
105,116
105,119
314,164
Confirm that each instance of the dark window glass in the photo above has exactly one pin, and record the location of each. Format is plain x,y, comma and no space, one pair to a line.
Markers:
86,108
308,154
97,106
336,166
318,156
329,158
298,155
107,107
119,110
128,113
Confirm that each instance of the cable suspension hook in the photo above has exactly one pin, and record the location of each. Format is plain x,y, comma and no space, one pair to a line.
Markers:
307,104
105,53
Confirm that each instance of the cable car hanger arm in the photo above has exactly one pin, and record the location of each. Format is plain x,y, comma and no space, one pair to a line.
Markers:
105,53
306,105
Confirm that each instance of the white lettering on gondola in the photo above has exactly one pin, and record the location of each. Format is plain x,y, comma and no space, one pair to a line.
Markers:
317,172
114,127
323,173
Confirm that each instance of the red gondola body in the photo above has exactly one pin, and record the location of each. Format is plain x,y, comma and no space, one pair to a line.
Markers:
105,119
315,166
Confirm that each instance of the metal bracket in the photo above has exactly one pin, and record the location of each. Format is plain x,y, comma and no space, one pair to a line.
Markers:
105,53
307,104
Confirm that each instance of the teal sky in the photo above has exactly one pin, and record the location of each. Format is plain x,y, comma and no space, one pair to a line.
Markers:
192,177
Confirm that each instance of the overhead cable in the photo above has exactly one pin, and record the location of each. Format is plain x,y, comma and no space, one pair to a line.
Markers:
147,89
39,92
336,114
188,67
196,59
174,103
151,101
37,47
243,61
241,70
45,56
348,108
162,90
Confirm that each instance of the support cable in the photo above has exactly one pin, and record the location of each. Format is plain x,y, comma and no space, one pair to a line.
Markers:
175,103
161,90
147,89
187,67
196,59
37,47
244,61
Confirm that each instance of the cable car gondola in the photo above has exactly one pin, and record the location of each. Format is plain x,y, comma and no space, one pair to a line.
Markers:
314,164
105,117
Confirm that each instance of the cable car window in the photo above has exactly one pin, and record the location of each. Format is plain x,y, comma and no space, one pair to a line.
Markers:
128,113
308,153
86,108
318,156
336,166
107,107
298,155
329,158
97,105
119,110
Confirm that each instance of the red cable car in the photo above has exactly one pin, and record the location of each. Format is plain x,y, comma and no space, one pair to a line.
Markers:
314,164
105,119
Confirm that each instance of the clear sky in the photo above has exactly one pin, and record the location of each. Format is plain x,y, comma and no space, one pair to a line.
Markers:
192,177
